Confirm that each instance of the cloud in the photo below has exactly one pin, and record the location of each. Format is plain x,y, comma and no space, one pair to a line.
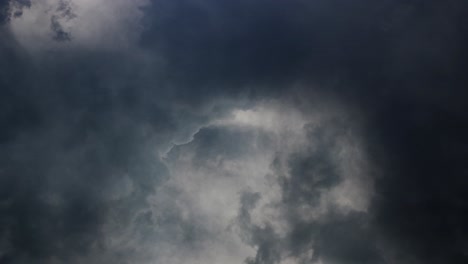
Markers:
244,176
201,131
104,25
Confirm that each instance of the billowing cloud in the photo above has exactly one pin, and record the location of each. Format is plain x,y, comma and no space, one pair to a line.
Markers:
258,132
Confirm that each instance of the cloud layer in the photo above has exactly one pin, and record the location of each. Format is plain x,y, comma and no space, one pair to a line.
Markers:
258,132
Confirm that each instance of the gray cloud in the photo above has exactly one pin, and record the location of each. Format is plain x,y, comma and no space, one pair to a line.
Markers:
227,131
12,8
64,12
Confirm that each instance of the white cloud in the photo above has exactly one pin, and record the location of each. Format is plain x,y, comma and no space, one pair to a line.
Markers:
207,194
95,24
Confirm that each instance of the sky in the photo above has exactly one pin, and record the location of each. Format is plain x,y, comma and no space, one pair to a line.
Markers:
233,132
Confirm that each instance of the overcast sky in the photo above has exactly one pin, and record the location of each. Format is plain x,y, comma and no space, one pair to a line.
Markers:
233,132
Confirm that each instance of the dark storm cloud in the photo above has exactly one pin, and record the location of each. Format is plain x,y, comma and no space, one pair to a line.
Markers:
269,43
79,156
67,149
401,62
75,148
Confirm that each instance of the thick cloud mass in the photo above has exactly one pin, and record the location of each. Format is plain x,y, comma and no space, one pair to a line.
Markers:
223,131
